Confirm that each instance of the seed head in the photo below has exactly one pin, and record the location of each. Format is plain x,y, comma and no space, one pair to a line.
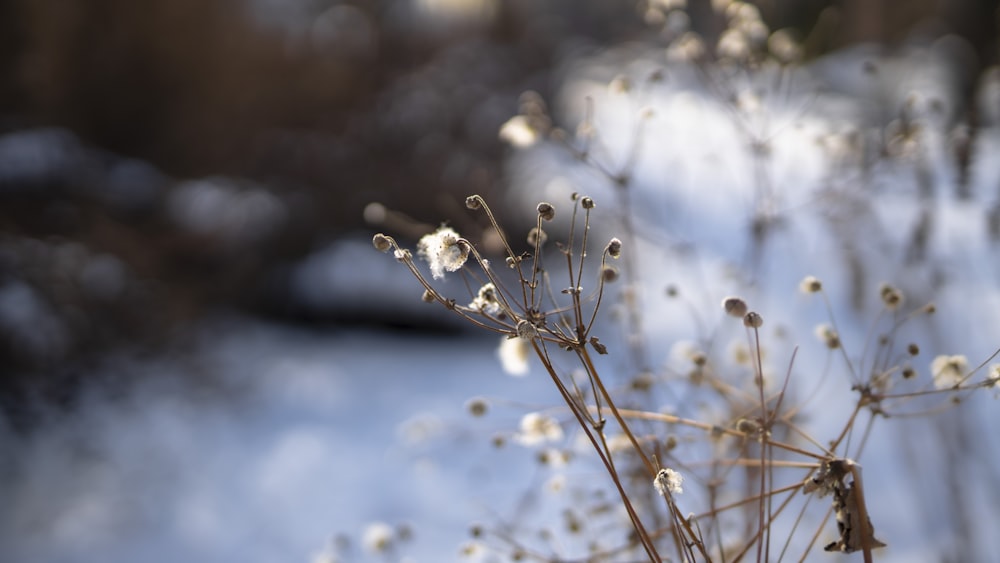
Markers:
609,274
949,371
444,251
514,354
670,443
913,349
525,329
829,336
537,428
427,296
537,237
993,379
477,406
473,202
668,481
615,248
753,320
891,296
810,284
486,300
747,426
381,242
586,202
378,537
734,306
546,211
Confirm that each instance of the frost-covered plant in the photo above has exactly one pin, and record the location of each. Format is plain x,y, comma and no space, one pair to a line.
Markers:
765,434
735,421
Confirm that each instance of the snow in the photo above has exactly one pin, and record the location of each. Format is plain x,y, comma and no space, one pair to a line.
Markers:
313,436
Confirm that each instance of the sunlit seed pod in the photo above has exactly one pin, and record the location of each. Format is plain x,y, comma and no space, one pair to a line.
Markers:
810,284
381,242
892,297
546,211
525,329
735,307
615,248
753,320
747,426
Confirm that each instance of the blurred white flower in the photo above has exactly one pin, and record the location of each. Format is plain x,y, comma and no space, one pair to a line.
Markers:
948,371
537,428
443,251
514,354
556,483
519,132
619,443
473,550
377,537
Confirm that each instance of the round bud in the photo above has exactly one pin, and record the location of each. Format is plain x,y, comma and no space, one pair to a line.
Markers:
811,284
477,406
546,211
586,202
615,248
734,307
609,274
381,242
473,202
753,320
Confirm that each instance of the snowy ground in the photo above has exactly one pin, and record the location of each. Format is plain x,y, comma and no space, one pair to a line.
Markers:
315,436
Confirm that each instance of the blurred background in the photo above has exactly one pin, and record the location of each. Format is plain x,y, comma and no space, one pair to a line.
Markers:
176,172
169,159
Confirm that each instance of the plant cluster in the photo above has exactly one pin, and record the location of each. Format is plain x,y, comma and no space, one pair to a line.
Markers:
717,455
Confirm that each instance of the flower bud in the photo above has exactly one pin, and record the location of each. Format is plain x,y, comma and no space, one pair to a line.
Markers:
753,320
381,242
615,248
734,306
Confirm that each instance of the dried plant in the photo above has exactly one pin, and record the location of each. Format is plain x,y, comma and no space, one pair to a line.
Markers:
732,469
